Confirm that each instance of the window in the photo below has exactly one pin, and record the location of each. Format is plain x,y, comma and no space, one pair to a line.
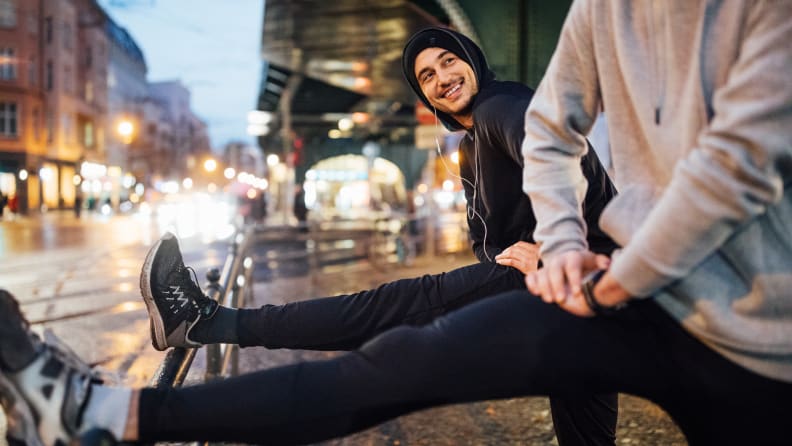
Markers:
111,78
49,76
32,24
89,91
88,57
67,36
8,119
68,80
7,64
32,71
36,124
66,128
50,127
48,29
88,135
8,16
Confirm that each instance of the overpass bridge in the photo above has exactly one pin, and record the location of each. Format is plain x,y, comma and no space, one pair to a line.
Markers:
332,83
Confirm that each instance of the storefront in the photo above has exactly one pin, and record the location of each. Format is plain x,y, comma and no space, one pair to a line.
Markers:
11,185
352,186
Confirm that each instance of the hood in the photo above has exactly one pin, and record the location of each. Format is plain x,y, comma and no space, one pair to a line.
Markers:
458,44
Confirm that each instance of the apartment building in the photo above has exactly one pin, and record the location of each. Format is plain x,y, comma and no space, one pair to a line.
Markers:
22,139
188,139
77,114
53,96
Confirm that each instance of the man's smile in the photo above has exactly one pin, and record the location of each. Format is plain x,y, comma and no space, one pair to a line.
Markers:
454,91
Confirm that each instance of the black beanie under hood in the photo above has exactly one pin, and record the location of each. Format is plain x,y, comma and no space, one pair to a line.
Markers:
458,44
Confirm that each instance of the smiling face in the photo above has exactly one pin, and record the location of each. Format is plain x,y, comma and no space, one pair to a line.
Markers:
448,83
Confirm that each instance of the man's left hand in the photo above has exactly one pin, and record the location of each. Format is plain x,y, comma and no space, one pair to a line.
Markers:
559,281
522,255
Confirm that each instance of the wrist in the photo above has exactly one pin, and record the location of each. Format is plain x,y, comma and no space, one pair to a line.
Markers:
601,307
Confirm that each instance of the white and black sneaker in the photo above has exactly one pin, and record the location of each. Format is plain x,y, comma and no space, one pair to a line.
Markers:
173,298
44,388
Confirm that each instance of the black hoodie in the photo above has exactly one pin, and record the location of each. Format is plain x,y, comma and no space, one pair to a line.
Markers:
493,146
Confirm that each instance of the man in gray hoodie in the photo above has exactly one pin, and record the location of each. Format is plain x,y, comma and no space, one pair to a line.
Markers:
700,113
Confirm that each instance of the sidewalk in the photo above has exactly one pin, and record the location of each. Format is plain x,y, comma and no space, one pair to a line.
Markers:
522,421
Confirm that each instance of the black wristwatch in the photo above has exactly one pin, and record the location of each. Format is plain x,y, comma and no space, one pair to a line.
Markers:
588,293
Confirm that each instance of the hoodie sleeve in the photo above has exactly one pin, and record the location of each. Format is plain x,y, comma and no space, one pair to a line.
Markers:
733,174
737,168
504,116
560,115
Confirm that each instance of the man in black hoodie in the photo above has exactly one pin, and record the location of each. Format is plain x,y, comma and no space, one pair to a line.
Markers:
450,75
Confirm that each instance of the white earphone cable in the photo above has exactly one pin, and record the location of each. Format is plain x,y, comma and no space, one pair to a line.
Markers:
471,207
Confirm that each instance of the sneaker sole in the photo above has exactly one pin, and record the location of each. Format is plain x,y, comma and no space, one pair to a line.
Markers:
26,430
158,339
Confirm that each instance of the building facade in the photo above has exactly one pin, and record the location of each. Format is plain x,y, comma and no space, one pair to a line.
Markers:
188,134
22,139
53,97
78,120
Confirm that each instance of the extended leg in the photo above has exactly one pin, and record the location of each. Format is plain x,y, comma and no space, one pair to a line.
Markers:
506,346
346,322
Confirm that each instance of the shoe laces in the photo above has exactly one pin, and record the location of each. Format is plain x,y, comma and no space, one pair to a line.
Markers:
188,278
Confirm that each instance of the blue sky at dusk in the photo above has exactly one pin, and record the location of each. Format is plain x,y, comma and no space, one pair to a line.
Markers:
213,46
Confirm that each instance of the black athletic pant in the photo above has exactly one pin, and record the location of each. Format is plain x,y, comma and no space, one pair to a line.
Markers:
506,346
347,322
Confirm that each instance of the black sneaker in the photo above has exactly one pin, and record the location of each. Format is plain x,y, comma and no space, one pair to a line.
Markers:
174,300
43,388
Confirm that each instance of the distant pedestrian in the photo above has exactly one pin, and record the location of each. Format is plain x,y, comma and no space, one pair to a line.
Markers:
3,202
78,201
300,208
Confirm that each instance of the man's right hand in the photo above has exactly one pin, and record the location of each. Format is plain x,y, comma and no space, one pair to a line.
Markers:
559,281
522,255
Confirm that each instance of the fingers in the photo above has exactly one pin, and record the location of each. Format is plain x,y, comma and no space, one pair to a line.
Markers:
602,261
522,255
573,271
543,286
576,305
558,279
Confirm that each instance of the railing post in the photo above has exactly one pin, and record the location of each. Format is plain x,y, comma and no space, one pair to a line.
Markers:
213,357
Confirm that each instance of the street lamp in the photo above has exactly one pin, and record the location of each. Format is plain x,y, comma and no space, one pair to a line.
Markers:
125,129
210,165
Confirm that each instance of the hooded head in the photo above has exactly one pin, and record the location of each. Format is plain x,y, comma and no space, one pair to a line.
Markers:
450,94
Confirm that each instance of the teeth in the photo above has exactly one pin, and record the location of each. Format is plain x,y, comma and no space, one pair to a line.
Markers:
452,91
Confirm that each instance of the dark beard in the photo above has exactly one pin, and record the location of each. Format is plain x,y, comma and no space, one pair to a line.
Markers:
468,110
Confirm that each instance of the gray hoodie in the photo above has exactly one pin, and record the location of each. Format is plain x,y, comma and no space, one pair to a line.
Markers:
699,102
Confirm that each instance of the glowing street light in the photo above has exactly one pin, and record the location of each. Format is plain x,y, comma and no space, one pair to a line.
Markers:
126,129
210,165
229,173
272,160
345,124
